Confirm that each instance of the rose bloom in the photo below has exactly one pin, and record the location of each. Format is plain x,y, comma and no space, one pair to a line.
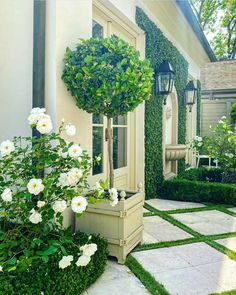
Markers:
6,147
75,151
70,130
63,180
83,260
35,217
35,186
40,204
79,204
44,125
65,261
89,249
7,195
59,206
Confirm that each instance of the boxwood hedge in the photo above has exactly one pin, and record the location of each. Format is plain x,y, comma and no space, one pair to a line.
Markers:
48,279
199,185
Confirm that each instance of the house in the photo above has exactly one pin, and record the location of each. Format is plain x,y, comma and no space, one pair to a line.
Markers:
218,92
34,37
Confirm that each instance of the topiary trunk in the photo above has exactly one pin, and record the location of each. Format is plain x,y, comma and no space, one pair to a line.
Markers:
109,138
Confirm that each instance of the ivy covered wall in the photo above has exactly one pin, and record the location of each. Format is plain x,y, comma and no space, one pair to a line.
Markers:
159,48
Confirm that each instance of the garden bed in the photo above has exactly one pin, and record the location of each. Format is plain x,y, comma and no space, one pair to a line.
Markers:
199,185
49,279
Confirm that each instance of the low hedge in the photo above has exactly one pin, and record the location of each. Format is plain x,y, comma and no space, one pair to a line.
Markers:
202,174
48,279
198,191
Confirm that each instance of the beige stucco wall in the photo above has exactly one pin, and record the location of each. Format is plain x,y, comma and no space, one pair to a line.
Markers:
171,21
16,57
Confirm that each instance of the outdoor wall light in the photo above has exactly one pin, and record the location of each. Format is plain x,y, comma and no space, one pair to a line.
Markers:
190,95
164,80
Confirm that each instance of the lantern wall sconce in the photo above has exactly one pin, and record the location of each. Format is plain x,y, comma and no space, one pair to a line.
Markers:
164,80
190,95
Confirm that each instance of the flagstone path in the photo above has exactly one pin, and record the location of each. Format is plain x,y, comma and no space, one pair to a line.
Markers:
188,248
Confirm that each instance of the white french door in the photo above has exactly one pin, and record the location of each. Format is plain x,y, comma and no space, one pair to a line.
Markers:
122,125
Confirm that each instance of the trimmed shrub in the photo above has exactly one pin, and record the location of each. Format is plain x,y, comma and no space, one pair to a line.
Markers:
202,174
48,279
198,191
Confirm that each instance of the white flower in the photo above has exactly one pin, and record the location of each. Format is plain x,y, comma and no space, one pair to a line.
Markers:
99,188
6,147
113,196
35,186
7,195
63,180
35,217
199,144
44,125
1,269
65,261
59,206
230,156
223,117
83,260
74,176
89,249
70,130
79,204
40,204
75,151
79,159
62,154
220,122
37,111
36,114
199,138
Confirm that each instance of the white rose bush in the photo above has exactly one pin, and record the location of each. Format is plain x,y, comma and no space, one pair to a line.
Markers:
40,178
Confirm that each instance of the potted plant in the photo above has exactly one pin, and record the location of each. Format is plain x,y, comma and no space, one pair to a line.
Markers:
40,178
107,77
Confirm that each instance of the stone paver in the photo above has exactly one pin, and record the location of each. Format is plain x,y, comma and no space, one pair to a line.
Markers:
232,209
157,229
229,243
166,205
190,269
208,222
117,280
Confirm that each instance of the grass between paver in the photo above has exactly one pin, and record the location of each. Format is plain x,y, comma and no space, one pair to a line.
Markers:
232,292
145,277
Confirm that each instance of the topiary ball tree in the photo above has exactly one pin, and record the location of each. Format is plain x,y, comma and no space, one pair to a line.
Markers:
107,77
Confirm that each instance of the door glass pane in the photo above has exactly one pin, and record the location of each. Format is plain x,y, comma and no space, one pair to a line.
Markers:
98,148
119,147
97,119
120,120
97,30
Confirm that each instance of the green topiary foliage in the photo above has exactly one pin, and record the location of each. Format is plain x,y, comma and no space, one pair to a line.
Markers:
198,103
107,76
159,48
48,279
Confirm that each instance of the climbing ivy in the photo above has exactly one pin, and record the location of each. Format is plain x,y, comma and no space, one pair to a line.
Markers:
198,102
159,48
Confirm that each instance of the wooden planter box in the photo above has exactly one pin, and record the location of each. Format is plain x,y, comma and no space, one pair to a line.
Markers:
121,225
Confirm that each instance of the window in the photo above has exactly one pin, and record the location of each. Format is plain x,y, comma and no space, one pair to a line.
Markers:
98,143
97,30
120,141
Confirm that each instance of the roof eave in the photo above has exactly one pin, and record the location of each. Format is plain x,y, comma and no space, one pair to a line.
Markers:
192,20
